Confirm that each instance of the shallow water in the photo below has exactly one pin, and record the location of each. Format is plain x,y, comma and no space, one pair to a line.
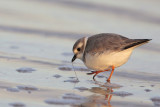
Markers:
36,51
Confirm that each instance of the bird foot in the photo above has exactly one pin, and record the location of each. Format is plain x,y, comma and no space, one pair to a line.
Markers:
108,80
95,73
92,72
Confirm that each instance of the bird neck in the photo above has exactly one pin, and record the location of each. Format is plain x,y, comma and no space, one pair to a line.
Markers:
85,43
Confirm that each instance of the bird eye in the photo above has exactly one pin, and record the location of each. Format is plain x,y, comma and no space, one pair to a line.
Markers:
78,49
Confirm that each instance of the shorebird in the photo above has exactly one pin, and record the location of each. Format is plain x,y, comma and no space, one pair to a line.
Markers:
105,51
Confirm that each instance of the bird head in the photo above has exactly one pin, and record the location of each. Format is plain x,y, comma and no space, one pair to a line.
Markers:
78,48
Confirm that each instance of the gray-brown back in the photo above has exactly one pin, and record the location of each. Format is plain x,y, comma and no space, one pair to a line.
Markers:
110,42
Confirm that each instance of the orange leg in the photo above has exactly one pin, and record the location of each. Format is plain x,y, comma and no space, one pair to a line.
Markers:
108,80
96,73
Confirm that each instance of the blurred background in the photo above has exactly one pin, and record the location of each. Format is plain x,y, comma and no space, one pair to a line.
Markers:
135,19
40,34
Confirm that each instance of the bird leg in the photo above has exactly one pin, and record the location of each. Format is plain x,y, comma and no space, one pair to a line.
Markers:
96,72
108,80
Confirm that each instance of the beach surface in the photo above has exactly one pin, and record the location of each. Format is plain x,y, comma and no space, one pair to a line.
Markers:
36,40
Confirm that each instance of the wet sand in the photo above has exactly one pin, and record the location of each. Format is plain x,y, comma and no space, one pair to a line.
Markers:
36,50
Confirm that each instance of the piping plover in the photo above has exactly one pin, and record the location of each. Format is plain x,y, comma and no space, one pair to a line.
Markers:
106,51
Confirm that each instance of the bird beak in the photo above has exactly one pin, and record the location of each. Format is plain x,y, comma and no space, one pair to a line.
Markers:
74,57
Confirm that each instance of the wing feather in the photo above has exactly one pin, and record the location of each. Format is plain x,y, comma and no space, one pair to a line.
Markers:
110,42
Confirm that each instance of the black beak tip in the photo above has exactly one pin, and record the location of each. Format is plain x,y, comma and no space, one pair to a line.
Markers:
74,57
72,60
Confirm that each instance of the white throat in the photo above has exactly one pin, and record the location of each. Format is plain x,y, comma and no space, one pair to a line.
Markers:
85,42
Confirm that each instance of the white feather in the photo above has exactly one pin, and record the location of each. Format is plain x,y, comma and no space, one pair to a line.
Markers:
106,60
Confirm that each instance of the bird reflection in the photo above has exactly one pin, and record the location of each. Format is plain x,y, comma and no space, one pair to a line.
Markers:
105,89
108,96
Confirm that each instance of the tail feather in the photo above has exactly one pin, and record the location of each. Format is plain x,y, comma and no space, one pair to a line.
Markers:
136,43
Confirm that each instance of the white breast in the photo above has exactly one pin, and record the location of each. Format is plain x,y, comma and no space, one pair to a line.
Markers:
106,60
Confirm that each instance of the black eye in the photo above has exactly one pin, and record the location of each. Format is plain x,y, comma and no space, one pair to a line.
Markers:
78,49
